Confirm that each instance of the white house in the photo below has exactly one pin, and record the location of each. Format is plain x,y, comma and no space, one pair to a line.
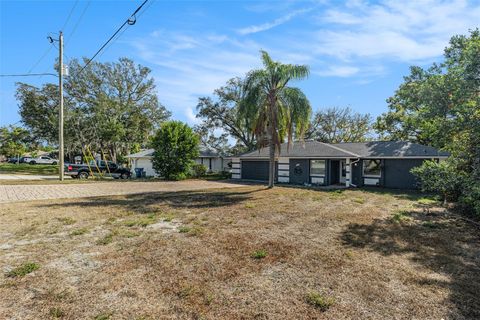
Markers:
210,159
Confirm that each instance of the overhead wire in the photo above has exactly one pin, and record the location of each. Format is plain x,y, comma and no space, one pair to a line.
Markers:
69,15
125,29
128,21
77,23
46,52
50,47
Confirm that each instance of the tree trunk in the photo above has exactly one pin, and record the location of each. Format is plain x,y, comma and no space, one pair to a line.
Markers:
271,171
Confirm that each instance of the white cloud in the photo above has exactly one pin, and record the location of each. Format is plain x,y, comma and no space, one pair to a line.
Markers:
394,30
269,25
357,40
338,71
183,73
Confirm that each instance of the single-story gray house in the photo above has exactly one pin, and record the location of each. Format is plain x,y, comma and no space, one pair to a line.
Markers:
374,163
210,159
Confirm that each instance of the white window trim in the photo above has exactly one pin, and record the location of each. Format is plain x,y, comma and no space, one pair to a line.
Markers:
324,168
372,175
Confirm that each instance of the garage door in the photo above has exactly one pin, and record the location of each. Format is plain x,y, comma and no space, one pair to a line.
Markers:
255,170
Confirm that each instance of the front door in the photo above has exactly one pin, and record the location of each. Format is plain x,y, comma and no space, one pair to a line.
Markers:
299,171
334,172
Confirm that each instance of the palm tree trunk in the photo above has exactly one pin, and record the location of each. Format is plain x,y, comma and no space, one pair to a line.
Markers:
271,171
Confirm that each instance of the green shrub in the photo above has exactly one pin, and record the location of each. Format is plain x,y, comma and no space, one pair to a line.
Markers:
199,170
23,270
440,177
470,199
320,301
176,147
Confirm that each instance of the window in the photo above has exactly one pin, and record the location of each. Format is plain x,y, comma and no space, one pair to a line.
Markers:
372,168
317,167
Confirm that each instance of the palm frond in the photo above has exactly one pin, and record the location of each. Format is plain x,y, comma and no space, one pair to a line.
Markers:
299,111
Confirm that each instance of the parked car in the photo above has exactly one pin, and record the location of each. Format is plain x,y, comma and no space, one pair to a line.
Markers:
17,160
12,160
96,168
40,160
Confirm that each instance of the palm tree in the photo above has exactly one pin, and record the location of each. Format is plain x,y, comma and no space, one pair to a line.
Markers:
277,111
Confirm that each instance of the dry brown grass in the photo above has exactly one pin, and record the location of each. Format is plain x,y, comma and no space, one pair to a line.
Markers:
125,258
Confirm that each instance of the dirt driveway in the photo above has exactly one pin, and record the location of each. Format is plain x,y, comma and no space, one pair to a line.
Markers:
15,193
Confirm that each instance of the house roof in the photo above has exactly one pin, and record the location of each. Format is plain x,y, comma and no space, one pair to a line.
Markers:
303,149
148,153
390,149
371,149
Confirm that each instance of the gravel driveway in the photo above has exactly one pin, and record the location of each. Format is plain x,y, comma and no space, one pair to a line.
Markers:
14,193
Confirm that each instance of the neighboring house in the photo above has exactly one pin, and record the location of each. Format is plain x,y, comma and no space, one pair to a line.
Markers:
374,163
210,159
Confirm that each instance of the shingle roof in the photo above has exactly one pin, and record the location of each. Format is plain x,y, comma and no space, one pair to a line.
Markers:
390,149
303,149
142,154
351,150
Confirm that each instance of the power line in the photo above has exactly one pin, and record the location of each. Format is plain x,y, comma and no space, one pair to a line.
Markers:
128,26
69,15
41,58
28,75
128,21
125,29
50,47
77,23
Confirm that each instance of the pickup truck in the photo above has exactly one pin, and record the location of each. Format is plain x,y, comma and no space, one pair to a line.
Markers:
98,168
40,160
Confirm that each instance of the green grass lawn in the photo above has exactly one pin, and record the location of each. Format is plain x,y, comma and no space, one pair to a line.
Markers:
24,168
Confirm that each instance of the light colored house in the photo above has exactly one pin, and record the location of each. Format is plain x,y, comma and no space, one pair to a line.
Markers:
210,159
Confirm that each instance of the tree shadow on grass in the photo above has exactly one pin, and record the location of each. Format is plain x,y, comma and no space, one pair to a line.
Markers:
140,203
438,242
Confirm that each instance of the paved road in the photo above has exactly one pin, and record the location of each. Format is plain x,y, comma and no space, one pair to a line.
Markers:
15,193
8,176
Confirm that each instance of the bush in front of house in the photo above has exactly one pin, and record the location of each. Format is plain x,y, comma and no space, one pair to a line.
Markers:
453,184
441,178
199,170
176,147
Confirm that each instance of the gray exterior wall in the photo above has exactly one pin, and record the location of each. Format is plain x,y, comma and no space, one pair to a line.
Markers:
396,173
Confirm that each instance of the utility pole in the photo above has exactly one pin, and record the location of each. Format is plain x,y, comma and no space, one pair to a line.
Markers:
60,113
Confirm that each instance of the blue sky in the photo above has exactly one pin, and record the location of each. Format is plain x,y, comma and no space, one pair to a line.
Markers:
358,51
